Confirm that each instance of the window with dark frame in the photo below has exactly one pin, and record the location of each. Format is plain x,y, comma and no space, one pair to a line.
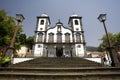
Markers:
59,37
76,22
67,37
59,28
40,37
42,22
51,37
78,39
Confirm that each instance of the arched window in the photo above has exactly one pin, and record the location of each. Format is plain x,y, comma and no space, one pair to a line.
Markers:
40,37
76,22
59,37
78,39
59,28
42,22
67,37
51,37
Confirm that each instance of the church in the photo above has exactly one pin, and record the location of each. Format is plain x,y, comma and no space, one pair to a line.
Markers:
60,40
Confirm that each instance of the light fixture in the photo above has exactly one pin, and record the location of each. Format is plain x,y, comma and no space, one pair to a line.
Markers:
19,17
102,17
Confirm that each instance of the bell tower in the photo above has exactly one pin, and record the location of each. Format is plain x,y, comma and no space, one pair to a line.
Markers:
75,24
43,23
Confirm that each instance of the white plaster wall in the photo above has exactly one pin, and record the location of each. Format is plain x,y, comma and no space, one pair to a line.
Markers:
98,60
38,51
18,60
63,31
41,26
54,30
76,26
22,52
79,50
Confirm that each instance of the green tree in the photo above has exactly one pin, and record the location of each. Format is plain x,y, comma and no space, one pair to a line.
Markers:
29,42
22,39
114,39
117,41
7,28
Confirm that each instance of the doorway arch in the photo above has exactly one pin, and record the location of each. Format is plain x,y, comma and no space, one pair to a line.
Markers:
59,52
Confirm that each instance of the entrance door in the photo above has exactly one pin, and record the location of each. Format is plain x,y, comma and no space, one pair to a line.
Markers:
59,52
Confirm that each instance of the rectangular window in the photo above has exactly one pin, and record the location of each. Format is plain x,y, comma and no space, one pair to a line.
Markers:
67,37
42,22
78,39
51,37
76,22
40,37
59,37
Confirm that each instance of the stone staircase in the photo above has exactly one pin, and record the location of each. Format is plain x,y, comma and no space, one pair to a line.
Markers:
57,62
59,69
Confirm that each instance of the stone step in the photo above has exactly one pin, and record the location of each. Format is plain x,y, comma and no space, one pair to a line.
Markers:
60,76
57,62
60,70
64,60
58,65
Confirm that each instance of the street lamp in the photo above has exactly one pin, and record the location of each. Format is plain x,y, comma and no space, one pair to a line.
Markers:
19,17
10,50
114,59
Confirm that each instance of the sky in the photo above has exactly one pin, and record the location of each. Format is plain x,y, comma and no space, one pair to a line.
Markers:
89,10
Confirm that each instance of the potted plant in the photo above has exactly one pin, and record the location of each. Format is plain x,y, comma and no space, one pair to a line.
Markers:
4,61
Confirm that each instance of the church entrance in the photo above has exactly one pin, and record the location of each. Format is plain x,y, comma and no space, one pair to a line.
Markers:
59,52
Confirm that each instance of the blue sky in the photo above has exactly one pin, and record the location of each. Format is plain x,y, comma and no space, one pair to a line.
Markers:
62,9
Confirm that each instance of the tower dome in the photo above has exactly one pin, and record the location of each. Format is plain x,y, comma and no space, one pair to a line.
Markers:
44,15
74,15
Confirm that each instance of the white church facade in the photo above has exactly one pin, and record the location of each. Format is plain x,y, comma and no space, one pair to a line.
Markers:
59,41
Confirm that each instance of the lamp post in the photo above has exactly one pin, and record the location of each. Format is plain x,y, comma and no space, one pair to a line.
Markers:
115,62
10,50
